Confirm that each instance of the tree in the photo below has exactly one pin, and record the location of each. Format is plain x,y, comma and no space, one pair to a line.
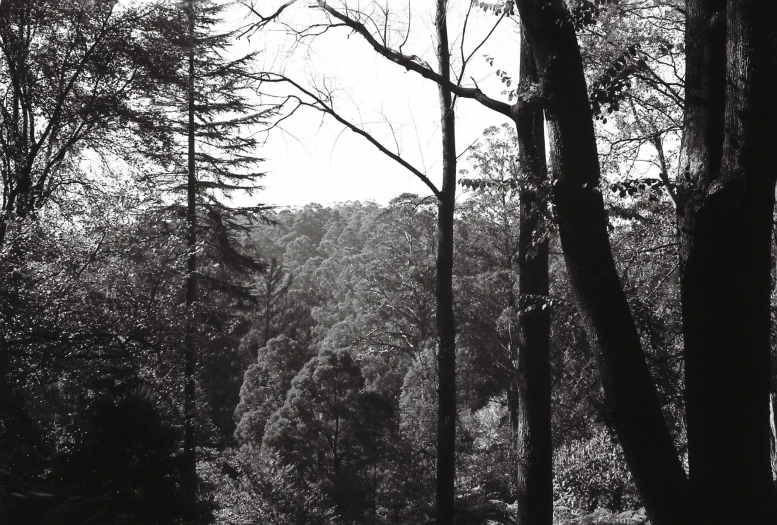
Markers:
72,81
96,299
265,386
276,285
721,38
330,430
583,231
372,311
446,322
531,424
72,76
209,92
511,207
446,197
724,221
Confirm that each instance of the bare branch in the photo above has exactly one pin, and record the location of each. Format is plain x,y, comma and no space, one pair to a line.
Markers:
408,62
409,21
320,104
263,20
664,174
655,140
466,61
662,281
463,38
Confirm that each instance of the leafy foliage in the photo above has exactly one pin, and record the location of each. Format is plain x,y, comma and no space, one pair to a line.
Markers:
330,430
265,385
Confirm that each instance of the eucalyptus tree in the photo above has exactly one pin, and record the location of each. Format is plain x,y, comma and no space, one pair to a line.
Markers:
265,386
331,429
512,194
725,215
446,202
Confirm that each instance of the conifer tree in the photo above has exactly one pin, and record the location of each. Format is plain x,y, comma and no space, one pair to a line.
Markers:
213,119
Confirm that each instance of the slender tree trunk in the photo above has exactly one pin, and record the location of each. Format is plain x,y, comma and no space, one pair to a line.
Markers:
534,473
8,425
629,391
725,284
446,323
271,281
773,428
190,354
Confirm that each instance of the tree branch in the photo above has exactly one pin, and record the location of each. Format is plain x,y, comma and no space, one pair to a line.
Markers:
263,20
321,105
410,64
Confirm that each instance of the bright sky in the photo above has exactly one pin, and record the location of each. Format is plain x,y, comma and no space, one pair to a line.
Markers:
315,159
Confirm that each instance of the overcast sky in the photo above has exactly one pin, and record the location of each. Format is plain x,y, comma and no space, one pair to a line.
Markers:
315,159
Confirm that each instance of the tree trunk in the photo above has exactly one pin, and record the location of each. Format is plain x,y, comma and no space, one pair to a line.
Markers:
268,297
629,391
190,355
446,323
773,428
726,324
532,434
725,284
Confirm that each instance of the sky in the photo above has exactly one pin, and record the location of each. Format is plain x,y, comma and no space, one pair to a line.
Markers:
312,158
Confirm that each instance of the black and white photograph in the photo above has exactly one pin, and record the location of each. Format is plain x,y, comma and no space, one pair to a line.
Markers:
388,262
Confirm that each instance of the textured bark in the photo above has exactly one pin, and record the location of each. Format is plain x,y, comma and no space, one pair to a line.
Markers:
532,433
190,354
725,284
446,323
705,38
629,391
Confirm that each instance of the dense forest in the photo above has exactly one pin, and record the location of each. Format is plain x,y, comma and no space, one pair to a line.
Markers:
575,326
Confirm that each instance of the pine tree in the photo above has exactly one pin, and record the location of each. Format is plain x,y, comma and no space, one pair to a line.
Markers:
211,116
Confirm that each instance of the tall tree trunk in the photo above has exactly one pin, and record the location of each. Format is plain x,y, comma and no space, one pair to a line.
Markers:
629,391
446,323
773,428
190,354
725,284
532,434
268,297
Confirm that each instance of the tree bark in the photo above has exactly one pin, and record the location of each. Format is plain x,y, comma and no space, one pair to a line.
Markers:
446,323
773,428
532,431
190,354
629,391
725,286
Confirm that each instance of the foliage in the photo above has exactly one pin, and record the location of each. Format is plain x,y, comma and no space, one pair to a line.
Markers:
316,325
246,488
330,430
75,79
265,385
593,474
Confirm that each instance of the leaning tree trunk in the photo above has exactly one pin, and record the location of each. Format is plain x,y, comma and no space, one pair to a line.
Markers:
582,221
726,235
531,422
190,354
446,323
